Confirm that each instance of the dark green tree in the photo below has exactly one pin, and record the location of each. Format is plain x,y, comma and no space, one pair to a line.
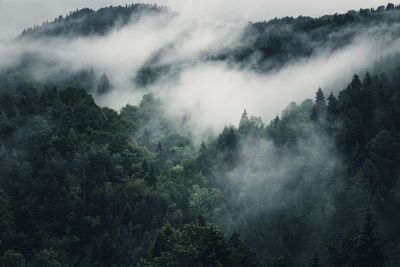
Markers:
332,109
244,123
382,153
315,262
319,109
7,221
242,254
369,251
12,258
46,257
104,85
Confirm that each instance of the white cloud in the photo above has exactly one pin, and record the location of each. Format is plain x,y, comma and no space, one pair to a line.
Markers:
212,93
216,95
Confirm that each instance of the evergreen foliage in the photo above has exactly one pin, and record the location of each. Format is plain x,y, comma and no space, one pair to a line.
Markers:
82,185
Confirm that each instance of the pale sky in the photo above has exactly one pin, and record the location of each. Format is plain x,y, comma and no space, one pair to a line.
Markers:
15,15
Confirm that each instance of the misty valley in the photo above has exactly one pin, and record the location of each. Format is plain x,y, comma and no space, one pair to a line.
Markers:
135,136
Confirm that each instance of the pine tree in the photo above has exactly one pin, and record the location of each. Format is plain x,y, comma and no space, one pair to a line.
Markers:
7,222
319,108
356,82
369,252
152,178
315,262
242,254
104,85
160,156
203,160
285,260
201,221
6,125
332,109
244,123
12,258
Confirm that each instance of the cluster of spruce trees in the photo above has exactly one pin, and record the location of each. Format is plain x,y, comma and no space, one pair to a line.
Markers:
84,185
86,21
77,189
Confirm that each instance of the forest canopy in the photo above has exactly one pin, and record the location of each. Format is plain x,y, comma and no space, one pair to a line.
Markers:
82,184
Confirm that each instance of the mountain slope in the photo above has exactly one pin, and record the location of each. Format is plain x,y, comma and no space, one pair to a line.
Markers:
84,185
86,21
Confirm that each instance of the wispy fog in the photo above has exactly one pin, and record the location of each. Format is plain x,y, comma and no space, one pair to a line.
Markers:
210,93
216,94
206,93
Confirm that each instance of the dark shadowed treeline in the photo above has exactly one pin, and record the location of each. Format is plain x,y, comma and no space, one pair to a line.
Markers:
83,185
76,188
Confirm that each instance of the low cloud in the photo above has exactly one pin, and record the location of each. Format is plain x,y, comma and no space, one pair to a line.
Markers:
215,94
210,93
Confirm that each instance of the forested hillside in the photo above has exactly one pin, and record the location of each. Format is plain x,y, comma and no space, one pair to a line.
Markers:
85,185
273,43
86,21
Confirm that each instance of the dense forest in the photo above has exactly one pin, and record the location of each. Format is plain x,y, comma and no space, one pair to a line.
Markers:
276,42
85,185
86,21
